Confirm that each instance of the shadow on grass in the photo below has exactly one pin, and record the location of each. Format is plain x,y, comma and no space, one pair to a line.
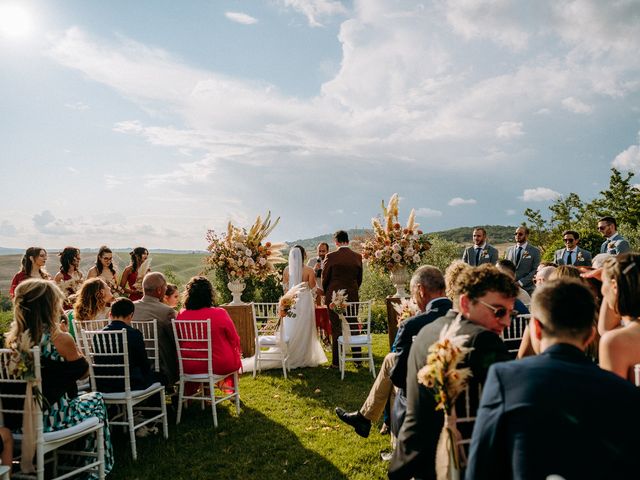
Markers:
244,447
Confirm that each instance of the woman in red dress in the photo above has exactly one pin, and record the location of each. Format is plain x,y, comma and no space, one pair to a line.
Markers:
69,278
33,262
131,281
225,342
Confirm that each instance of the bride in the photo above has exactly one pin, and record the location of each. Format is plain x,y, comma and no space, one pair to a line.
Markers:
300,332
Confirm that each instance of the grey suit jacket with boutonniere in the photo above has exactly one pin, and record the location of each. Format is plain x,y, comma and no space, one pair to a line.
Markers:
581,257
488,254
527,266
615,245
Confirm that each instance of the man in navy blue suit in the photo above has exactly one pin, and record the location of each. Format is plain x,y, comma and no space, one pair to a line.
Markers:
427,289
558,412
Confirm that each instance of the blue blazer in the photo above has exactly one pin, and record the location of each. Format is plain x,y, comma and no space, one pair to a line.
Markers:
615,246
555,413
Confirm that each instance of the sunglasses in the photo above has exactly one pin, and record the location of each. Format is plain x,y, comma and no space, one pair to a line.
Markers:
603,227
499,312
569,240
519,234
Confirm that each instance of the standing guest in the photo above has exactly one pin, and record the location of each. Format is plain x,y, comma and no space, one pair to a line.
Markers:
316,264
150,307
507,267
104,267
341,269
140,372
485,304
572,254
525,257
556,414
69,278
620,347
37,308
131,281
225,342
614,243
171,295
32,266
481,252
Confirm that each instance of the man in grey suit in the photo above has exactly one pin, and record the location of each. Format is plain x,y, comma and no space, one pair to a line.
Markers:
525,257
481,252
614,242
149,308
572,254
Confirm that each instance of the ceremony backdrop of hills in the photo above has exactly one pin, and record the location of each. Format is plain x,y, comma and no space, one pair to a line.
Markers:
183,264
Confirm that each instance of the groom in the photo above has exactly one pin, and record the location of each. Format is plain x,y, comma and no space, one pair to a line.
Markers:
341,269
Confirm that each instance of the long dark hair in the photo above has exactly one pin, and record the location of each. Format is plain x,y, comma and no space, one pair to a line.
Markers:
136,257
104,249
67,256
198,294
27,264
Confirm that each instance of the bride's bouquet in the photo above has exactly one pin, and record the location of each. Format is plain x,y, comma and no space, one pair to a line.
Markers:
446,382
392,245
406,308
242,254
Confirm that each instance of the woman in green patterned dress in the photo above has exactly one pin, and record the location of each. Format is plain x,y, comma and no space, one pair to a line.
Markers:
37,310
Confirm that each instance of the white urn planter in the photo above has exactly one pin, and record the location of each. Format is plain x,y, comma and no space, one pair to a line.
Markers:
399,277
236,287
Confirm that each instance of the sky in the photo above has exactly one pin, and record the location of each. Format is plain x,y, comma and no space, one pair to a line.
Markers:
149,122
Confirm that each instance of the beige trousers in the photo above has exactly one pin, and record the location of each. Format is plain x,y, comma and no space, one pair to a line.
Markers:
381,390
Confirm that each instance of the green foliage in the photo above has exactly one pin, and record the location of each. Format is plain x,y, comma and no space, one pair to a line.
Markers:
269,290
442,252
379,322
5,320
375,286
621,200
170,275
495,233
5,303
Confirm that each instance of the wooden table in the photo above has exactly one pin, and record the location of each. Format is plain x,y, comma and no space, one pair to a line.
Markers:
242,316
392,319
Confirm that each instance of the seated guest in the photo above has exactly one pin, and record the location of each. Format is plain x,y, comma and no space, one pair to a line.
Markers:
620,347
225,342
486,303
171,295
150,308
427,289
31,266
140,372
91,302
6,447
556,413
565,271
37,308
507,267
543,273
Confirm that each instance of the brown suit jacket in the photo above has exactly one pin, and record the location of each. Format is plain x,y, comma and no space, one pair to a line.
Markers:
342,269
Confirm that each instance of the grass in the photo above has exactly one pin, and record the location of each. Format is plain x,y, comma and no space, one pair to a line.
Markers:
286,428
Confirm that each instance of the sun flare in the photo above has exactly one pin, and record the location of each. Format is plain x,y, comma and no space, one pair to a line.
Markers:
15,21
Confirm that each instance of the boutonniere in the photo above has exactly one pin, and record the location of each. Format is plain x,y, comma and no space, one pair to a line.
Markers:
580,258
485,253
525,254
611,245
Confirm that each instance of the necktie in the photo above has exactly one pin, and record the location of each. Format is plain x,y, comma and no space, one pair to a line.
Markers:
518,255
569,261
477,255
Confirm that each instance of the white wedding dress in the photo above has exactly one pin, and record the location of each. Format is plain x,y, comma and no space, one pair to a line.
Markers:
299,332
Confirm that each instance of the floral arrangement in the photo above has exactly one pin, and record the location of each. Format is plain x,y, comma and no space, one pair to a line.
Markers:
242,254
21,363
392,245
339,302
116,290
446,382
71,286
441,374
288,302
406,308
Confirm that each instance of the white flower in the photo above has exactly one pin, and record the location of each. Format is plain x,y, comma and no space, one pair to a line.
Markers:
409,251
396,257
262,261
416,258
378,254
247,252
395,247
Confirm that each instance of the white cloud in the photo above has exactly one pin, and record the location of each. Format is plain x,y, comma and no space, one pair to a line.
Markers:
454,202
428,212
240,17
576,106
509,130
77,106
510,211
8,229
628,159
540,194
314,9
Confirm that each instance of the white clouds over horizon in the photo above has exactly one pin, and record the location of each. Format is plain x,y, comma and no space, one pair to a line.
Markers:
427,212
457,201
539,194
314,10
629,159
241,18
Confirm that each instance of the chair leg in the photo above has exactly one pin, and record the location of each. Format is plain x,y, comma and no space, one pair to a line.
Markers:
180,400
132,431
100,440
212,394
163,404
341,360
237,385
40,462
255,361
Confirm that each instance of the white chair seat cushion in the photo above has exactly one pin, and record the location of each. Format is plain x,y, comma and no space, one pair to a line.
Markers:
134,393
356,339
86,424
266,340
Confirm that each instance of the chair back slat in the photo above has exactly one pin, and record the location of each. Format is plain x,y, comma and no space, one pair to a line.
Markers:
149,330
108,355
466,413
512,335
358,315
193,342
12,395
266,318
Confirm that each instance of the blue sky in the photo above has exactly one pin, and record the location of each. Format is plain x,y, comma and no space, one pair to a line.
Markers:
147,122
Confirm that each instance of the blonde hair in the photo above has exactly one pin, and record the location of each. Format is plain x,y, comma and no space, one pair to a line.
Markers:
90,300
37,307
451,276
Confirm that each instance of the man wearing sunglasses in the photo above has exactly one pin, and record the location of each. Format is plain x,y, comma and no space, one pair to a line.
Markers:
614,243
556,414
486,304
572,254
525,257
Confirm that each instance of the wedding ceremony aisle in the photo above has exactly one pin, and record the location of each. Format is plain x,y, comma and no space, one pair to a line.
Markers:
286,429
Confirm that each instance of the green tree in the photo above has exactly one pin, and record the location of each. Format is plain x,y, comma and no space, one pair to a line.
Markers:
621,200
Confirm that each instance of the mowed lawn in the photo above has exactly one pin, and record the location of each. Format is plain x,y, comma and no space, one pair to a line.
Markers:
286,429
